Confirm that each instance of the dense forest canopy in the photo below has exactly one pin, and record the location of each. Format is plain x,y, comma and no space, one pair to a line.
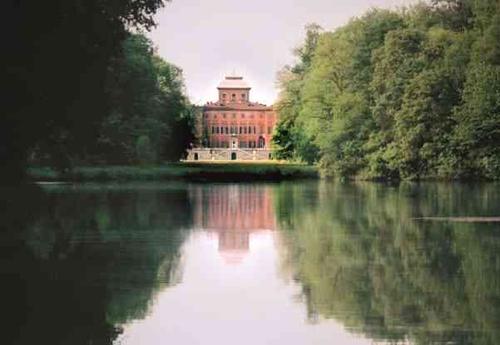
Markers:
406,94
67,66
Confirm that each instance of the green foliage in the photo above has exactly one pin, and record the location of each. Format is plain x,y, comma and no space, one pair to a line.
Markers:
147,101
409,94
58,53
144,150
290,140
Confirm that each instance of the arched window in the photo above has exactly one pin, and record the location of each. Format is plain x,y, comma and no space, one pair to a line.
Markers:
262,142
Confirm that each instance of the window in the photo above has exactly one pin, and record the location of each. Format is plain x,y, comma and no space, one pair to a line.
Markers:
234,115
217,130
233,96
224,115
243,96
227,130
242,116
223,96
213,130
269,130
241,130
254,130
249,130
244,130
215,116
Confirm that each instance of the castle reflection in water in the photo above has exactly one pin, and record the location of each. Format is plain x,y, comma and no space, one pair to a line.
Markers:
233,213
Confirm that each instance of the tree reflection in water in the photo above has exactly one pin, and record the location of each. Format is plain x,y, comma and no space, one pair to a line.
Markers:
79,262
364,260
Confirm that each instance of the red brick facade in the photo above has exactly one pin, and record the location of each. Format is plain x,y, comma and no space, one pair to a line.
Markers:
234,121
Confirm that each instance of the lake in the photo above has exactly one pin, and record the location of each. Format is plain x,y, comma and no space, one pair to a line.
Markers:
311,262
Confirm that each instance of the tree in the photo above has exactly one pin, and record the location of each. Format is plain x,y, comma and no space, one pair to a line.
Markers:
406,94
290,140
57,54
147,104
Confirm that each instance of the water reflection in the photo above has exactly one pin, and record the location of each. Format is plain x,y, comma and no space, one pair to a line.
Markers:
364,260
232,290
79,262
294,263
232,213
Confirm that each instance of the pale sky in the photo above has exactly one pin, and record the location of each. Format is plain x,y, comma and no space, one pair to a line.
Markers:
254,38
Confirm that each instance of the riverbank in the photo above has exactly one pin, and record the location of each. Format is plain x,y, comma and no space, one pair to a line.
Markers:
248,171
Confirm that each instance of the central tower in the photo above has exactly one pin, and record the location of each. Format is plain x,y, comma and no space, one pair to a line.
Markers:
234,90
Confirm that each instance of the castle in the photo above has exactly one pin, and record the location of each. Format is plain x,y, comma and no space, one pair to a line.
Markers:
234,128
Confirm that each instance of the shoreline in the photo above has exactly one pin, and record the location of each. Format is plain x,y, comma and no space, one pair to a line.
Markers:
201,172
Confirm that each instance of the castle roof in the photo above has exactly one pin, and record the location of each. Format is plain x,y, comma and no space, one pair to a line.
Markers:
233,82
249,106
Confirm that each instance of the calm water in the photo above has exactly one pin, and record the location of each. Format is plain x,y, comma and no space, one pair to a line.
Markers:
290,263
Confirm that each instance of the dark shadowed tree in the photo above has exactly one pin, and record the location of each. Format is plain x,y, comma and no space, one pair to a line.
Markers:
55,56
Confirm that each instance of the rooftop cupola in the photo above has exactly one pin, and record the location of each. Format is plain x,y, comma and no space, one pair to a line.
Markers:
233,89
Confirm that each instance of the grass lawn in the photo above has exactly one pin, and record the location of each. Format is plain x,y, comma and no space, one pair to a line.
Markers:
198,171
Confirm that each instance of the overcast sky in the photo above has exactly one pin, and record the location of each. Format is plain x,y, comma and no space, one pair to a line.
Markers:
254,38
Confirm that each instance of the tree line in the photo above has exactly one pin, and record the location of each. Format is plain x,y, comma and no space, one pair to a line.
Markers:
397,94
86,86
148,119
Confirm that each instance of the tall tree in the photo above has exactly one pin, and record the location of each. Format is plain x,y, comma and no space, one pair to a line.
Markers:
56,54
